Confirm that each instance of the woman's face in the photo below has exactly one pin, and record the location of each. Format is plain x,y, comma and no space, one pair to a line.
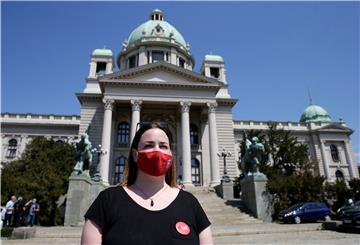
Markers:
153,139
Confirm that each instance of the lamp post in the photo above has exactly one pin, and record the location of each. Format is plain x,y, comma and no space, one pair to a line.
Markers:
224,154
99,152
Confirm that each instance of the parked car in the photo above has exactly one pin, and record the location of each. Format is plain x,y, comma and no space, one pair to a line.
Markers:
351,217
307,211
348,206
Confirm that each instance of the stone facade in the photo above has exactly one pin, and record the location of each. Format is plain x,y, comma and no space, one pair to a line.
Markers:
17,130
156,82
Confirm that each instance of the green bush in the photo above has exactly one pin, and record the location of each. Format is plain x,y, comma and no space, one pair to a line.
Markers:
355,188
289,190
337,194
6,231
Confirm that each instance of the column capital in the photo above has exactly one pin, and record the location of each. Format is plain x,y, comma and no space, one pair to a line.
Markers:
136,105
212,106
185,106
108,104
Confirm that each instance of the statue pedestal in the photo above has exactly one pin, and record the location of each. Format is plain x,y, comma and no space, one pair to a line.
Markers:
81,193
255,197
227,189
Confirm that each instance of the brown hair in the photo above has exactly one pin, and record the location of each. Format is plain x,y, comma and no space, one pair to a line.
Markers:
131,168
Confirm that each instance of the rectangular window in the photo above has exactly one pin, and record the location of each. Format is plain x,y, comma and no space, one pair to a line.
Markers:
132,61
182,62
157,56
214,72
100,68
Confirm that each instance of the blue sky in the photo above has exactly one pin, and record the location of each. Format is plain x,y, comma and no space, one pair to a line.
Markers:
273,52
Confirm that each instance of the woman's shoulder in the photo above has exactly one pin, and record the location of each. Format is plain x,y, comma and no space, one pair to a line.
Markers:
112,191
187,196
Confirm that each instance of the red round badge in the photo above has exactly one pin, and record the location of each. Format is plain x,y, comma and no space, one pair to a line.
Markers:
182,228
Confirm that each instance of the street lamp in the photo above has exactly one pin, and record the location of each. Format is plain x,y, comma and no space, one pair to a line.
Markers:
99,152
225,154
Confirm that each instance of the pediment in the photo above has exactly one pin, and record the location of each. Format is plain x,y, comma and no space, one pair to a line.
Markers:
160,73
335,127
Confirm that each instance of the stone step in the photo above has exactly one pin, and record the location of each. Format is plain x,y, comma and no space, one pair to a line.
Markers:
229,219
220,211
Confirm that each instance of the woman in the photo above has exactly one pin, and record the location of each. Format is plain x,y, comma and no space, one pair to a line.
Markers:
147,208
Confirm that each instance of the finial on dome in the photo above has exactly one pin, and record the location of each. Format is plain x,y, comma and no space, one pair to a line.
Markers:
157,14
310,99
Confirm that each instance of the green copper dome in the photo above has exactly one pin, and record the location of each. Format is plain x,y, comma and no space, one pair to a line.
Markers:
102,52
314,113
156,27
212,57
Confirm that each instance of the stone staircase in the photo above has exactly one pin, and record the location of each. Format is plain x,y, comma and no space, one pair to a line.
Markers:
221,212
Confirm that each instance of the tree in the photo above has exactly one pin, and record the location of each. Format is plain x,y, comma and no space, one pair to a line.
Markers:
284,151
43,172
291,173
288,168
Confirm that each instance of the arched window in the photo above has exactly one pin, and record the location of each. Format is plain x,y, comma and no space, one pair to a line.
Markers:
339,176
334,153
194,139
123,133
195,171
12,147
119,169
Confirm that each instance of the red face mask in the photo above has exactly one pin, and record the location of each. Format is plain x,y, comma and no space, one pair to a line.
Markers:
155,163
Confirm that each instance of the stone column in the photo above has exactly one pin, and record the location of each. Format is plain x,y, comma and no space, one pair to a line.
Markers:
214,161
324,157
92,70
23,142
135,117
109,67
106,141
349,160
142,56
186,148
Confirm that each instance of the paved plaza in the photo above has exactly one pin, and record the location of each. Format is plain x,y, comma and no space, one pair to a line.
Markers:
264,233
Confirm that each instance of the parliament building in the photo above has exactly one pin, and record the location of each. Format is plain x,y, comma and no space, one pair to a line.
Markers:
155,81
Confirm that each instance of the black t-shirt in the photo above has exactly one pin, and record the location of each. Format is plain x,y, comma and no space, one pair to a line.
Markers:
123,221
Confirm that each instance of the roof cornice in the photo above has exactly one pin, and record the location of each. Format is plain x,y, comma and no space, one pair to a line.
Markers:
225,101
160,66
87,97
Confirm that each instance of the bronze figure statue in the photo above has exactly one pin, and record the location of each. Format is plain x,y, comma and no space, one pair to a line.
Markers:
251,160
83,154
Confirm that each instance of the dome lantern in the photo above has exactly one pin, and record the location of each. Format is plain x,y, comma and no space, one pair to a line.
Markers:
157,14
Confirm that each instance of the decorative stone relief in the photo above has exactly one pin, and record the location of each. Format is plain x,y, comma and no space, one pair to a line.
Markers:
185,106
108,104
136,105
212,107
